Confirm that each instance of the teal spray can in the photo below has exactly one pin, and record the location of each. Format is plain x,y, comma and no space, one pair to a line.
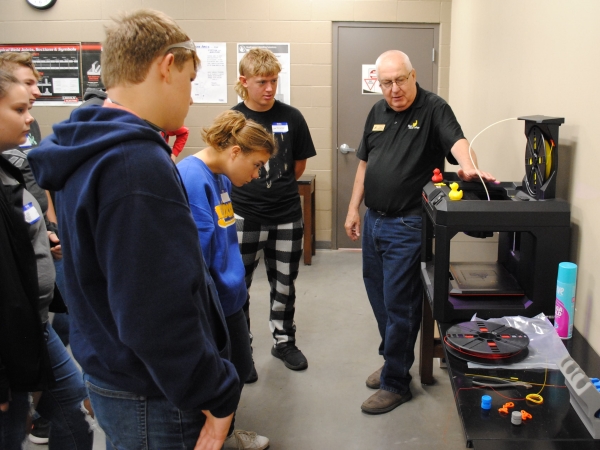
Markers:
565,299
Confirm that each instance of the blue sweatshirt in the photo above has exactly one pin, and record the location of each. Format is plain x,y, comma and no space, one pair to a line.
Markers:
145,317
210,202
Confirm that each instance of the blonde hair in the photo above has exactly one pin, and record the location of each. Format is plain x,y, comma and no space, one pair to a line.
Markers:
257,62
232,128
136,39
6,81
9,61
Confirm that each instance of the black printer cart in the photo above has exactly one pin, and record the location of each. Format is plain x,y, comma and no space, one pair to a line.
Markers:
534,237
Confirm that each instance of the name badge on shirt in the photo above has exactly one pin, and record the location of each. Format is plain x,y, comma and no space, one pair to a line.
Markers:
280,127
29,142
379,127
30,213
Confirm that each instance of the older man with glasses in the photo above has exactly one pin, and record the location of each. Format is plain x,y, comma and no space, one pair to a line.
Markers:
407,134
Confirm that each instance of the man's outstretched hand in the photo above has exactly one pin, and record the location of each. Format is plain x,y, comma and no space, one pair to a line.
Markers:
471,175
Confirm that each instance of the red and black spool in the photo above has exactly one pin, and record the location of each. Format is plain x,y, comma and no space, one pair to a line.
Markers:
486,342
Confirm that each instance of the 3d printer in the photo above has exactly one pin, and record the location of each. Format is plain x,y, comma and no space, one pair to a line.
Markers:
534,237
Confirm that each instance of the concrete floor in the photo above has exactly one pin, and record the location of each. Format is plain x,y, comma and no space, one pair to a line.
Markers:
319,408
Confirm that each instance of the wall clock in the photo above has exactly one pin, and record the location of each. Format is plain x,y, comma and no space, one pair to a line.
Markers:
41,4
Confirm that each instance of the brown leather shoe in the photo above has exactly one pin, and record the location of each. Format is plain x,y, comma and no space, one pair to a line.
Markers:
384,401
373,382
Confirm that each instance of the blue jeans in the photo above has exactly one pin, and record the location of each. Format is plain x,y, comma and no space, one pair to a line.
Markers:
61,404
391,249
12,422
61,321
133,421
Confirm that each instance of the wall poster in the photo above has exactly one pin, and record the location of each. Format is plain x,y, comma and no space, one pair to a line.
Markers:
59,67
210,85
68,70
90,66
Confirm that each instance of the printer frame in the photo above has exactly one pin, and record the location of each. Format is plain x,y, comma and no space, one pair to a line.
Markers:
534,237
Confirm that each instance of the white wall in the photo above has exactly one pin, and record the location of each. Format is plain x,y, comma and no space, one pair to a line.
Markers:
512,58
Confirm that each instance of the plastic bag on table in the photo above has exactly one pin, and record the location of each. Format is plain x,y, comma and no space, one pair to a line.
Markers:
546,349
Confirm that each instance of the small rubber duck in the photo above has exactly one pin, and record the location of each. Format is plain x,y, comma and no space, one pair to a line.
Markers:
455,194
437,176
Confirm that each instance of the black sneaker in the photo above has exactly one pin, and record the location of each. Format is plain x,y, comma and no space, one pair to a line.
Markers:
40,429
291,356
252,376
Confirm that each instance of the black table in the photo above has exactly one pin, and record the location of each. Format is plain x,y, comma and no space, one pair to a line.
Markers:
555,424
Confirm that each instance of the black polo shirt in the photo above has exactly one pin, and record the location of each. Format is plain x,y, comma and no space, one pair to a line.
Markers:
403,148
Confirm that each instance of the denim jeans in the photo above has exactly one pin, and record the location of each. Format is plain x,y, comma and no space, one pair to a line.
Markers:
391,248
61,404
61,321
12,422
132,421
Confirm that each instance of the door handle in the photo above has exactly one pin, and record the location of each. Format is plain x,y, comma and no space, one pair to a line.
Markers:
345,148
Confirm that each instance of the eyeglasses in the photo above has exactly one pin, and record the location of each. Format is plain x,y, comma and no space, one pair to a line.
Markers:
387,84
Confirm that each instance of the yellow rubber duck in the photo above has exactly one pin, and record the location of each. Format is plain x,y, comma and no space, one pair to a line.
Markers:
455,194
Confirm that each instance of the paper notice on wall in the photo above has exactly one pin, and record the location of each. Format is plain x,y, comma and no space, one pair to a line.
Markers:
369,82
65,85
210,85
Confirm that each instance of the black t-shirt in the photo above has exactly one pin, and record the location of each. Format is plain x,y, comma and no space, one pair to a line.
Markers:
273,198
403,148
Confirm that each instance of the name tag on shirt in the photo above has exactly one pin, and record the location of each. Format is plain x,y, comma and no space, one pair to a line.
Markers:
29,142
30,213
378,127
280,127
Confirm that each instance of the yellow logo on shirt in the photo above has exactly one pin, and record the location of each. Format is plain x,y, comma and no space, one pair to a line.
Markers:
225,214
414,125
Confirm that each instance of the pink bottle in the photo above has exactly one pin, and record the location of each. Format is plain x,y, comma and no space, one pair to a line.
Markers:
565,299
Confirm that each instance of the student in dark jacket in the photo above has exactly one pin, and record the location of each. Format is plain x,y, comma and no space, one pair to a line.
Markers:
24,361
60,406
152,346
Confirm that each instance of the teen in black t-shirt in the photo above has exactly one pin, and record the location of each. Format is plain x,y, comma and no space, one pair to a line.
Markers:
268,213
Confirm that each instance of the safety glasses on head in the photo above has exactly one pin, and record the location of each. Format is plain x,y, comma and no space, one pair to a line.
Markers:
189,45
